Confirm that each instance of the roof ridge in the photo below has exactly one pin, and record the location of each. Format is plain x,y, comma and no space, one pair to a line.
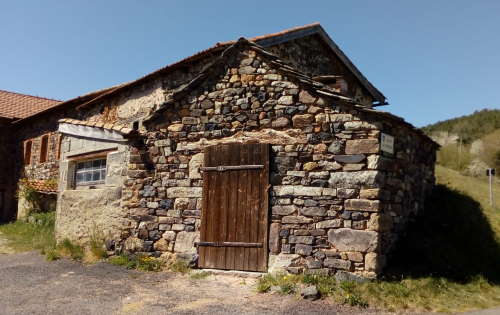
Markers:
40,97
218,45
283,32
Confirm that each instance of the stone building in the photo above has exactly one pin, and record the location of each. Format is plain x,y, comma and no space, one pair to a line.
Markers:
38,149
30,148
260,155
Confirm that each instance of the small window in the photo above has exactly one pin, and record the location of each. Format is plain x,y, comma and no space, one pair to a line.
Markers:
43,149
90,172
27,152
59,144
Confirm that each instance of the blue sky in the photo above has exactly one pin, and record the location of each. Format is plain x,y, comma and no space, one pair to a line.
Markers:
433,59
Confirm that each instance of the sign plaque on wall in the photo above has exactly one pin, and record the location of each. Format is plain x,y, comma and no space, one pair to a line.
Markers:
386,143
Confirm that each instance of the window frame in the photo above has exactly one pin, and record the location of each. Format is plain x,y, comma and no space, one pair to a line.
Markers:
100,169
59,146
28,152
44,148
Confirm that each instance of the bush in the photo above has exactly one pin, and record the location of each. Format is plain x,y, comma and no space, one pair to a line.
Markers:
96,245
67,248
52,254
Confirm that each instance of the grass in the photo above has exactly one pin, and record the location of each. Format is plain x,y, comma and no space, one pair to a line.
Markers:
451,157
199,275
38,234
67,249
138,262
180,266
24,236
448,261
342,292
475,188
96,248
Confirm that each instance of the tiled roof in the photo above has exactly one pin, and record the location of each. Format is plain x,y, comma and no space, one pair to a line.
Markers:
72,102
109,126
16,105
43,186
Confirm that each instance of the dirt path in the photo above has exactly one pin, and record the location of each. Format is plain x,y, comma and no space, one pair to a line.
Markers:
31,285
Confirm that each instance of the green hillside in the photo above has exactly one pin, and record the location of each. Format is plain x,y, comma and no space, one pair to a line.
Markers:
479,145
469,127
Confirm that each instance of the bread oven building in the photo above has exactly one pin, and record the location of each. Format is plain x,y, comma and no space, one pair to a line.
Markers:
258,155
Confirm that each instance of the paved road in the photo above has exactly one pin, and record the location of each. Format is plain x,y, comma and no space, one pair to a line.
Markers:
31,285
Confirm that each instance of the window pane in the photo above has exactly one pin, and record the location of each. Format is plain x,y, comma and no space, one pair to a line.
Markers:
90,172
79,177
88,177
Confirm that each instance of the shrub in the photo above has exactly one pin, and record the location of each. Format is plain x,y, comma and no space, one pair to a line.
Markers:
30,196
148,263
52,255
67,248
96,244
139,262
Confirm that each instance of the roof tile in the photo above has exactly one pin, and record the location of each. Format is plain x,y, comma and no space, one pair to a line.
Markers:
16,105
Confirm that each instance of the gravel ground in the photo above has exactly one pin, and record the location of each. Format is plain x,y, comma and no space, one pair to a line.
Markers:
31,285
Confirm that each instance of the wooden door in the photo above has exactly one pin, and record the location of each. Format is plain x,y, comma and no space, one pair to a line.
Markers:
234,223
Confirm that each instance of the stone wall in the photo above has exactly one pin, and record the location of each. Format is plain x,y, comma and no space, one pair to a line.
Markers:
48,169
337,202
33,129
84,211
135,103
311,56
308,55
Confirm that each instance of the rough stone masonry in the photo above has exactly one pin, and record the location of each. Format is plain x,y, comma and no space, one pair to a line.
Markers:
338,202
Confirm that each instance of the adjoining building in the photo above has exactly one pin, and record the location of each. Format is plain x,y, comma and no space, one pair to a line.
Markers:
260,155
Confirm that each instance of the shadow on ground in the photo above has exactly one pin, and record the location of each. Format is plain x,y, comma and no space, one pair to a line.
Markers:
451,238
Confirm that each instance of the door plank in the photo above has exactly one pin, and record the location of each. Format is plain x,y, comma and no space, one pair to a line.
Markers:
235,207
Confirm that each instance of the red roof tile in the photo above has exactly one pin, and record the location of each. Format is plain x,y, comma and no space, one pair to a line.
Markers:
16,105
43,186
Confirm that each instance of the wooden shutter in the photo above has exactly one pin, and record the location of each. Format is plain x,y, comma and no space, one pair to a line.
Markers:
234,224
